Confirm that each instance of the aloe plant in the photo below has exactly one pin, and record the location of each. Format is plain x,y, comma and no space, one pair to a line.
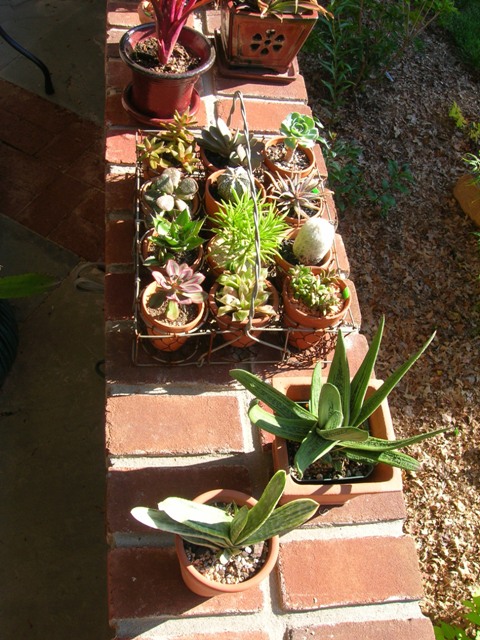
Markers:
225,532
336,411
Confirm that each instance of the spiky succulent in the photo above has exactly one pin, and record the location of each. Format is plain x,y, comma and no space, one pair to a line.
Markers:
336,412
172,236
229,530
296,196
230,146
171,190
178,286
234,296
320,293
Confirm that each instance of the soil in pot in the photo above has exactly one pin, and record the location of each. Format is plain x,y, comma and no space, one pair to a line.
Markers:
145,54
238,569
187,313
300,160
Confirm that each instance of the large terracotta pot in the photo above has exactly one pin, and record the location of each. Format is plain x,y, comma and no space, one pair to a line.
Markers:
277,168
269,42
170,337
156,96
200,585
311,327
383,478
234,331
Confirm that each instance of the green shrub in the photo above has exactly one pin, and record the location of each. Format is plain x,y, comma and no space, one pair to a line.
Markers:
464,27
451,632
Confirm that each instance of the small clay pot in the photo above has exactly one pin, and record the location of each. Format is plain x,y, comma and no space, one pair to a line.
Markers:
275,168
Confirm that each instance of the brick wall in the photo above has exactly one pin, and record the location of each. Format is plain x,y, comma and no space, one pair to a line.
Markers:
350,573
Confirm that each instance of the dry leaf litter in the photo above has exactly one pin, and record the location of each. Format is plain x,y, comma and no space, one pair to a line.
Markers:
419,267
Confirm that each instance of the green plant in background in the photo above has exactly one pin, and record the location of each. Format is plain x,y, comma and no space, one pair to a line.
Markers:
345,177
228,530
23,285
473,163
395,182
336,412
464,27
171,237
236,291
470,128
445,631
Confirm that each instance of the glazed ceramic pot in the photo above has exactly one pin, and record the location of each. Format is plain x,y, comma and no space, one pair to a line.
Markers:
206,588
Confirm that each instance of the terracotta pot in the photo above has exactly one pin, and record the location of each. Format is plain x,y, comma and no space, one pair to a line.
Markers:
147,210
156,96
269,42
297,315
275,168
283,266
171,337
200,585
235,331
212,205
383,478
467,194
144,254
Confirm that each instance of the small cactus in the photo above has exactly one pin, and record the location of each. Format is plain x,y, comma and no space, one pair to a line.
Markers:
313,241
233,180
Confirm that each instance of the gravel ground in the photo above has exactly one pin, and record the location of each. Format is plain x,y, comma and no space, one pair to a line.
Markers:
419,267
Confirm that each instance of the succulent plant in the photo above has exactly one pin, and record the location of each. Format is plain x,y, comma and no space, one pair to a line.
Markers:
229,530
230,146
233,179
299,130
473,163
170,237
314,240
336,412
297,196
320,293
281,7
170,191
236,291
179,286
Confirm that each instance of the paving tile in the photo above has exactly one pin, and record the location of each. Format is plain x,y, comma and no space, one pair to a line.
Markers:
173,425
147,582
119,292
380,507
120,147
413,629
21,134
360,571
70,143
90,167
128,488
294,91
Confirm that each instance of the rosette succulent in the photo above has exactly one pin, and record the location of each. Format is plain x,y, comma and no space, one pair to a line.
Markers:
178,286
299,130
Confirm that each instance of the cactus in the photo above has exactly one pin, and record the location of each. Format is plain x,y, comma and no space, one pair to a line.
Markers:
313,241
226,532
234,179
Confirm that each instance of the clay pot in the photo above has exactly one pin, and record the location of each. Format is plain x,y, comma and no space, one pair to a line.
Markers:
154,96
467,194
145,253
200,585
283,266
275,168
297,315
147,210
234,331
211,205
171,337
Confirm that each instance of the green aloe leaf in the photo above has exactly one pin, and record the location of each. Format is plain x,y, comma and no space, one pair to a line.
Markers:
26,284
339,376
352,434
238,523
329,403
261,512
379,444
393,458
376,399
211,521
284,519
282,405
315,389
288,428
311,449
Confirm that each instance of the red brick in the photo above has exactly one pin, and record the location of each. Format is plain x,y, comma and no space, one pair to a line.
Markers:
119,193
25,136
79,233
120,148
320,161
119,242
326,573
414,629
147,582
211,21
90,167
119,293
173,424
240,635
263,117
122,17
294,91
65,148
380,507
128,488
118,75
115,114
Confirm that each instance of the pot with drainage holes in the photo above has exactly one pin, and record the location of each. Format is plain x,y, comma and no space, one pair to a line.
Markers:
270,42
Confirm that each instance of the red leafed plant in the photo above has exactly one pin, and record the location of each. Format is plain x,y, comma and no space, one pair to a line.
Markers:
180,285
170,17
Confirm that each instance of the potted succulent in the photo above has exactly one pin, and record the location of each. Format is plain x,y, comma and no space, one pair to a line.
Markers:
237,534
177,237
338,421
166,59
467,188
220,186
297,198
173,305
309,245
312,303
234,245
243,303
172,146
292,153
168,192
265,35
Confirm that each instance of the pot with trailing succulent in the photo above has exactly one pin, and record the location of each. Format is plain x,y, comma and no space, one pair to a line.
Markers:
264,36
169,192
166,59
292,153
334,437
175,236
226,541
467,188
173,305
313,304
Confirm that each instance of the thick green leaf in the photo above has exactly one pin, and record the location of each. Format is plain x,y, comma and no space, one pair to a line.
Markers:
351,434
238,523
315,389
329,404
282,405
359,385
284,519
288,428
211,521
339,376
311,449
379,444
393,458
26,284
267,502
376,399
